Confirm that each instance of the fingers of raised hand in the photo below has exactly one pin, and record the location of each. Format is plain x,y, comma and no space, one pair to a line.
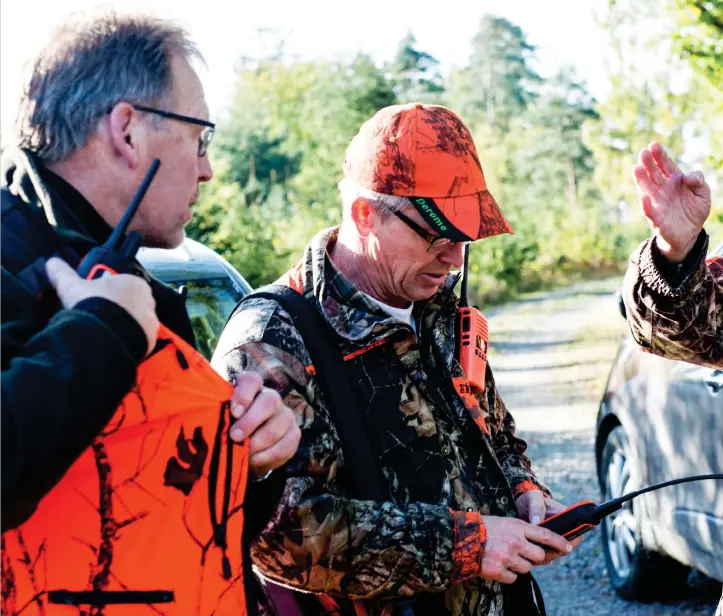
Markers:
654,172
646,185
662,160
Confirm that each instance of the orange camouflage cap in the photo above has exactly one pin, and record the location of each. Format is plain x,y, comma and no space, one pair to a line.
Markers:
426,153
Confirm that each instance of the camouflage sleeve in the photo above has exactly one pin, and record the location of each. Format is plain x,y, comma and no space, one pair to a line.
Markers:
318,539
680,319
509,448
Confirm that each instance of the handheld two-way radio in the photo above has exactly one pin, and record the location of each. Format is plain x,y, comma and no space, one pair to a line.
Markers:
586,515
117,253
473,335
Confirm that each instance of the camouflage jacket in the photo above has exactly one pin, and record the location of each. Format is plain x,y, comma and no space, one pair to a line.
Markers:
443,472
679,319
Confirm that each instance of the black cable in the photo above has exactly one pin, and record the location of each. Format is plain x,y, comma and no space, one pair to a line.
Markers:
583,516
616,503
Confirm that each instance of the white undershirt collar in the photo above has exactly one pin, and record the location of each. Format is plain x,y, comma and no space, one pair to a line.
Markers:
400,314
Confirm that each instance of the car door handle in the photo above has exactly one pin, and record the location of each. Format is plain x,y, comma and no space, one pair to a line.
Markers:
715,382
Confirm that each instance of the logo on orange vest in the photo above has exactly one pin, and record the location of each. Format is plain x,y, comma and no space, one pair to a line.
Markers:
192,454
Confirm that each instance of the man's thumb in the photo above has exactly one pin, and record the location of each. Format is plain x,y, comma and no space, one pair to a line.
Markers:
537,507
62,277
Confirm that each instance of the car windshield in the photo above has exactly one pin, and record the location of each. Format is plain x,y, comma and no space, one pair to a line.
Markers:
209,303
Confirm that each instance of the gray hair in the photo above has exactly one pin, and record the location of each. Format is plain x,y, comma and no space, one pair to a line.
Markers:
87,68
385,204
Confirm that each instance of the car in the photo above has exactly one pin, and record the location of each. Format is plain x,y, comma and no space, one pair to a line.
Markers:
660,420
212,286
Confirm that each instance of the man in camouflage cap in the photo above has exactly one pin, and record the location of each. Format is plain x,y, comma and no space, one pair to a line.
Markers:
459,521
673,296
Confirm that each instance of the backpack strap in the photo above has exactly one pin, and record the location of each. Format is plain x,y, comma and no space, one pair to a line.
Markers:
334,382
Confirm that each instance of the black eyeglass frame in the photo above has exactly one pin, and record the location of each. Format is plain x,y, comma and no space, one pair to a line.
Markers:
442,243
205,138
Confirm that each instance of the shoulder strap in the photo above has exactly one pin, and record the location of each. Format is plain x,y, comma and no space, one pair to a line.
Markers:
334,383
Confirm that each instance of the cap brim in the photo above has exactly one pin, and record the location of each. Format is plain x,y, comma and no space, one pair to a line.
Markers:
476,216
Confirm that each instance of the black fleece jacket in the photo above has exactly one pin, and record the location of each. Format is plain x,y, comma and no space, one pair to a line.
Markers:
64,372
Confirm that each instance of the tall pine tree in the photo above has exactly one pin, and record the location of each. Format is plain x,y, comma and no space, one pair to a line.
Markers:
415,73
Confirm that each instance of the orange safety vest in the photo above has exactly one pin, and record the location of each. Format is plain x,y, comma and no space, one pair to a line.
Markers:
148,520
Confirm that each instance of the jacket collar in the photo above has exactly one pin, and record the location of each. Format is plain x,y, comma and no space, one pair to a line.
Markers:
64,207
70,214
347,310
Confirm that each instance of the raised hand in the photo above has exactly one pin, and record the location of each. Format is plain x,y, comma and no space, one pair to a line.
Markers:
676,204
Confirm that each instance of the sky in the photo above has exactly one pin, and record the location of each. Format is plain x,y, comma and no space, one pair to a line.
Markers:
564,32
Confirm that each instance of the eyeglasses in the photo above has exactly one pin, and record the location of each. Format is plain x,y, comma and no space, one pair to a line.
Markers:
204,139
437,243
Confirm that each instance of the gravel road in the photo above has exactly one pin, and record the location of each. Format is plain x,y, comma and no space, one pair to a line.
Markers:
551,354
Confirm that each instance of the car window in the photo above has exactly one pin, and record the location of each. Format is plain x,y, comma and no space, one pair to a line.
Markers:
209,302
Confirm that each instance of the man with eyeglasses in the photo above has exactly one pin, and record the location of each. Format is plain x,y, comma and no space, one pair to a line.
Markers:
104,99
459,521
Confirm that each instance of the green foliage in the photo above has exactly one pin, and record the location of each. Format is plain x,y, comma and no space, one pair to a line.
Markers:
498,82
279,159
643,104
415,73
655,97
341,99
699,37
237,229
541,173
558,162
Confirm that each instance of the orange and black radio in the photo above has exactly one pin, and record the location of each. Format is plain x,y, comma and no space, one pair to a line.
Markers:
473,336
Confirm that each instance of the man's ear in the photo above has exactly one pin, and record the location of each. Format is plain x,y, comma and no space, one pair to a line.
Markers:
124,132
362,213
